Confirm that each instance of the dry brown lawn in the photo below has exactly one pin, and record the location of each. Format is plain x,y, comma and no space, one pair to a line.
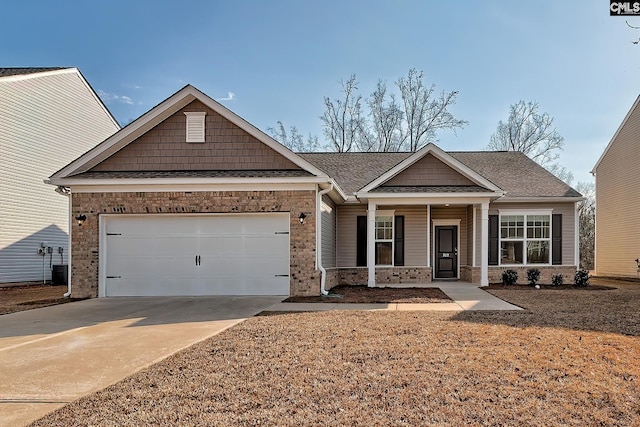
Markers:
572,358
30,296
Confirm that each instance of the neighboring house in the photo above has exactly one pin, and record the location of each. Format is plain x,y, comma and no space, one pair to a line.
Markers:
48,117
191,199
617,175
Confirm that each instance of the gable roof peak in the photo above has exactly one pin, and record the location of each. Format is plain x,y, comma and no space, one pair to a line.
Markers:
441,155
161,112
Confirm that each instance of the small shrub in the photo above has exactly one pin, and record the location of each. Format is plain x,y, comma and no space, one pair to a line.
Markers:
533,275
509,277
581,278
557,280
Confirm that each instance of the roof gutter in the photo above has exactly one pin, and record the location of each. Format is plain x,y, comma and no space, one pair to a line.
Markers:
323,272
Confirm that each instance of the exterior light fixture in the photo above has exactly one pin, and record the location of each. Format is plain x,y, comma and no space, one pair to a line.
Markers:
81,219
301,217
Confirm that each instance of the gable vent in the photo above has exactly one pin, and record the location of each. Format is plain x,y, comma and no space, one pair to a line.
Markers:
195,126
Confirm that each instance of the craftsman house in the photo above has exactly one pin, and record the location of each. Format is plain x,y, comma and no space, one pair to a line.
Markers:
191,199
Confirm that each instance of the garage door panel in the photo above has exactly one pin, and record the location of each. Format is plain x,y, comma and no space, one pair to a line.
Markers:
236,254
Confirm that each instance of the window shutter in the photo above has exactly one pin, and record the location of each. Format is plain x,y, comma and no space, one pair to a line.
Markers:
494,240
556,239
398,241
195,126
361,238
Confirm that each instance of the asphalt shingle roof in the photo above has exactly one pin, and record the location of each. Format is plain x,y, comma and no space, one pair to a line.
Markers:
352,171
511,171
515,173
18,71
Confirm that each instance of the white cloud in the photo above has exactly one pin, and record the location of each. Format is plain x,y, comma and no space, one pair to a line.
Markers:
230,97
112,97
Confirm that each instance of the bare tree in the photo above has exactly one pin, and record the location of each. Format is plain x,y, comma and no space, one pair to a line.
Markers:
530,132
391,125
294,139
561,172
386,116
587,224
343,119
424,113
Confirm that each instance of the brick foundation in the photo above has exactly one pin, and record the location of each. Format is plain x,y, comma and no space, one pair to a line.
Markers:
470,274
398,275
304,279
546,272
384,276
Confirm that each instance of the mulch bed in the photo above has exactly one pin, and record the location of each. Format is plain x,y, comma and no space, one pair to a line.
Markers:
28,297
552,287
366,295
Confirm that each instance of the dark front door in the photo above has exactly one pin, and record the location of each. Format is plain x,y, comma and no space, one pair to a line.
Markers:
446,252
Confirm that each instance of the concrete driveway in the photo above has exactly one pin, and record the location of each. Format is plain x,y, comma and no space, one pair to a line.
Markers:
54,355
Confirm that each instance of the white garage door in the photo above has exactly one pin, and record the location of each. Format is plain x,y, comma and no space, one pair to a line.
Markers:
152,255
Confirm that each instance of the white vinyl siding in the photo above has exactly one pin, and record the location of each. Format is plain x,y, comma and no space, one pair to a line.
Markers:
618,202
47,121
328,218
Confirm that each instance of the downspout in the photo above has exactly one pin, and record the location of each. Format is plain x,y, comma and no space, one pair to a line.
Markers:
71,224
323,272
67,192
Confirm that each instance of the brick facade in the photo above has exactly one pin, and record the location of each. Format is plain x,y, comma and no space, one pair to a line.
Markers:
546,272
384,276
304,279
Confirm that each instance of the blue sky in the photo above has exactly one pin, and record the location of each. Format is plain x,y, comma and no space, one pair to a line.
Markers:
279,58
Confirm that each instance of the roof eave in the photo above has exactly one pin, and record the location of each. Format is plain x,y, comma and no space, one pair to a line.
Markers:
439,195
615,135
539,199
69,182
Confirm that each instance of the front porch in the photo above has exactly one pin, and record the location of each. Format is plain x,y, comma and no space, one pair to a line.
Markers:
421,240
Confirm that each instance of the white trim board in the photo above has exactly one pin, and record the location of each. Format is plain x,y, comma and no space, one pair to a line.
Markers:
444,222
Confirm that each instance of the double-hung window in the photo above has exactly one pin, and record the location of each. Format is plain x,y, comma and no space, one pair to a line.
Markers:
525,237
384,238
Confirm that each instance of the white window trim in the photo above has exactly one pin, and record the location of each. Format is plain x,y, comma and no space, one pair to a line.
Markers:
195,118
525,213
390,213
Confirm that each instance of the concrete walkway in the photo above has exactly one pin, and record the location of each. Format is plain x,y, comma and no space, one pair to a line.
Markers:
465,296
53,355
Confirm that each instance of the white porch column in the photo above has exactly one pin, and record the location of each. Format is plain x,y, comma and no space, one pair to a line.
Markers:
371,246
474,232
429,236
484,244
